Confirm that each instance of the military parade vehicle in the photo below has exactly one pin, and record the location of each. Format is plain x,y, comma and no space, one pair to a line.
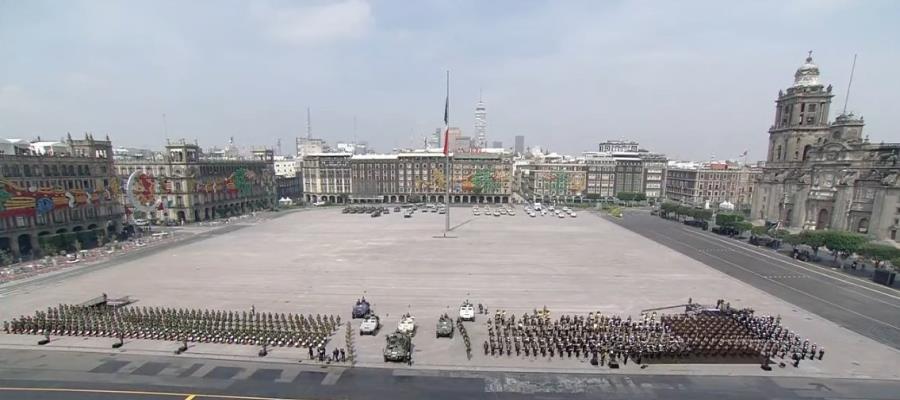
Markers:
361,309
407,324
467,311
398,347
370,325
444,327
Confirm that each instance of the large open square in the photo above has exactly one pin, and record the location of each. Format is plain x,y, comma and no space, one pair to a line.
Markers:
321,261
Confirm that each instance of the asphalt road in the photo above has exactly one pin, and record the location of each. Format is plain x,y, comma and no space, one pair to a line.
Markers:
856,304
70,375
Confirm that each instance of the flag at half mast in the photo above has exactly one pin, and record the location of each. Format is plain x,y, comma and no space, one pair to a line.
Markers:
447,125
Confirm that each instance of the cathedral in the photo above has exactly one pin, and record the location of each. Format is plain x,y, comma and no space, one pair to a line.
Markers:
822,174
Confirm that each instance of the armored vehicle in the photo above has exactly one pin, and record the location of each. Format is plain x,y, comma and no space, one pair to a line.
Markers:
361,309
444,327
398,347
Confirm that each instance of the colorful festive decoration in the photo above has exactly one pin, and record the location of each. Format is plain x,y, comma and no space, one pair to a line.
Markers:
143,191
17,201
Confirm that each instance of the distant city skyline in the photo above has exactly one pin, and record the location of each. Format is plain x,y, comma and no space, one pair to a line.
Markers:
689,80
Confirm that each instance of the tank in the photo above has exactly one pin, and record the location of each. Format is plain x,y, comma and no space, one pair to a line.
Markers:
444,327
398,347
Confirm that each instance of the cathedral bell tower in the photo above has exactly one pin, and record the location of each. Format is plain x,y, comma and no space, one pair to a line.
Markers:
801,116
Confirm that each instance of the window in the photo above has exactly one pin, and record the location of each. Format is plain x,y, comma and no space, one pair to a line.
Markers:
812,107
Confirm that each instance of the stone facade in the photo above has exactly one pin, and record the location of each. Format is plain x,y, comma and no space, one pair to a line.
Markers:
826,175
712,183
183,185
340,178
72,192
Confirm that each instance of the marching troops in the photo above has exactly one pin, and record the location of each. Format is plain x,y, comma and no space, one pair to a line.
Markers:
194,325
697,334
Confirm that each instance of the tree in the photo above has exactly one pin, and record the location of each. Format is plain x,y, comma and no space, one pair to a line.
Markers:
814,239
701,214
879,252
742,226
791,239
728,219
842,242
759,230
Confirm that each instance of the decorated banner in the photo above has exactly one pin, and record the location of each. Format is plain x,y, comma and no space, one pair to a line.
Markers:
18,201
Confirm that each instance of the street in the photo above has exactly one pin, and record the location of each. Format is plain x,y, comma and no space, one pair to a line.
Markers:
862,306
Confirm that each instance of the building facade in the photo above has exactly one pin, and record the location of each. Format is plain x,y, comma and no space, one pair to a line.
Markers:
712,184
654,169
619,146
553,182
184,186
601,175
67,200
406,177
826,175
519,148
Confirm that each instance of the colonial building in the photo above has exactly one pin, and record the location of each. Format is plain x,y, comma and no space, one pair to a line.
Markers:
826,175
184,185
61,200
406,177
552,182
711,184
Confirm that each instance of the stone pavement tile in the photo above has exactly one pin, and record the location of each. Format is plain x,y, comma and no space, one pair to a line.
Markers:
223,373
110,367
266,374
150,368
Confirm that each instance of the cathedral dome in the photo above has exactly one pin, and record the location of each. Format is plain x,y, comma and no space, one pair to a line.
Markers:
807,74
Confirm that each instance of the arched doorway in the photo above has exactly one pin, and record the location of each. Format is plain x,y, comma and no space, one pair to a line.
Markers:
181,216
24,244
863,225
822,220
788,216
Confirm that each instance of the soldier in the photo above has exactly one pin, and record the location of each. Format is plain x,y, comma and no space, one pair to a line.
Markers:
343,356
821,352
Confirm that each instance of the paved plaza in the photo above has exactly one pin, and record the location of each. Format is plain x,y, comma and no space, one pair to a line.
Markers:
321,261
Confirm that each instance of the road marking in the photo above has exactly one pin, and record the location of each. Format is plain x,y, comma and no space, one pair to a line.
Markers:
187,396
332,377
790,287
808,269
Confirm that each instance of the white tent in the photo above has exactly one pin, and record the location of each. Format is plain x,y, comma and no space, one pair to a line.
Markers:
725,205
285,201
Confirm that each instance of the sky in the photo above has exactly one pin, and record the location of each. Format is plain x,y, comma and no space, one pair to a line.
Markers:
692,79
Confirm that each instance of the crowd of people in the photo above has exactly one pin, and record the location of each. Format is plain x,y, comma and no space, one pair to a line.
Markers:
190,325
699,334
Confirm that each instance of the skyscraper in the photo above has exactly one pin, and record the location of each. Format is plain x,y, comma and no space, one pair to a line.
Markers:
480,124
520,144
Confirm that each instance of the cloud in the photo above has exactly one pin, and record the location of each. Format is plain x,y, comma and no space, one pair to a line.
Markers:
318,24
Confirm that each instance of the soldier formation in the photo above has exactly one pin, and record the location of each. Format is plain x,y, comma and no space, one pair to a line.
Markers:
192,325
697,334
465,336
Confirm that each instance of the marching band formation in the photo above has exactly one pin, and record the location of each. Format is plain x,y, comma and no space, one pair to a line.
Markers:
700,334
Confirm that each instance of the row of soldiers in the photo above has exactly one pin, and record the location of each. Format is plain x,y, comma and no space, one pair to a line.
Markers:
465,336
696,334
193,325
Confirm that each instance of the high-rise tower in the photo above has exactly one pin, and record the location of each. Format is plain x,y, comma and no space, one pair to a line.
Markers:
480,124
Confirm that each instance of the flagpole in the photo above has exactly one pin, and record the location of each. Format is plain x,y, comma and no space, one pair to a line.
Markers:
447,159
